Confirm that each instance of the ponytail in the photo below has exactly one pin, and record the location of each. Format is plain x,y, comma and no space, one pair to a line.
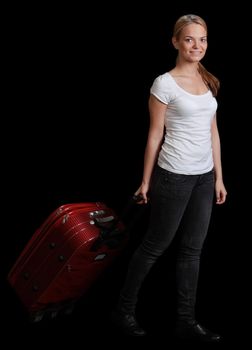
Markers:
210,80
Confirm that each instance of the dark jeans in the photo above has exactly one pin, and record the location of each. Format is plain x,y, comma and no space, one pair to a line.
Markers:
177,201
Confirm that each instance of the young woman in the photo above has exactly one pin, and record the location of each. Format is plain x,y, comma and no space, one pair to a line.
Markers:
182,170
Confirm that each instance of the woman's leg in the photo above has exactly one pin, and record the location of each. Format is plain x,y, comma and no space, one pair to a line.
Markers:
194,227
169,197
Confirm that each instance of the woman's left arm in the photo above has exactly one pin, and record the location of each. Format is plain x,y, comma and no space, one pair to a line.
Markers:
220,190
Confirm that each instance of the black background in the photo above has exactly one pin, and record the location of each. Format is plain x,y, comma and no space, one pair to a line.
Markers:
75,128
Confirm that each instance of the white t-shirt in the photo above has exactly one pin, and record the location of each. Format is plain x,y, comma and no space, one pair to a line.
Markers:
187,147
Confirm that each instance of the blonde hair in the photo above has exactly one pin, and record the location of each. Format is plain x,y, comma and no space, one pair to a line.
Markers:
209,78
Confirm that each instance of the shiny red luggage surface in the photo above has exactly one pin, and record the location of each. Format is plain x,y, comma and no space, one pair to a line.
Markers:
66,255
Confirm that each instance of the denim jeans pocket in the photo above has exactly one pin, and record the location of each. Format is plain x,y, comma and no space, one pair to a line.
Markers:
168,184
170,177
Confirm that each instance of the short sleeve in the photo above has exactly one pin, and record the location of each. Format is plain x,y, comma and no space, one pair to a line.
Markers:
162,89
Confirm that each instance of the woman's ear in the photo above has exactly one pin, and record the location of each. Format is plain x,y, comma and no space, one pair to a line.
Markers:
174,42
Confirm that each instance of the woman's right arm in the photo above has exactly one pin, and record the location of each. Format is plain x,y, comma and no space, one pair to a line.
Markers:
157,111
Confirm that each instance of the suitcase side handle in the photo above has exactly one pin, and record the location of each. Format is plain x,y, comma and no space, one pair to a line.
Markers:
104,220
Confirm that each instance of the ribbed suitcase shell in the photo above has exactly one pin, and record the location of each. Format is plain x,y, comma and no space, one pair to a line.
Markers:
66,255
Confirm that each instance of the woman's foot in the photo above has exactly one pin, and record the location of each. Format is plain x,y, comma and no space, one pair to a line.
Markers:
195,331
127,324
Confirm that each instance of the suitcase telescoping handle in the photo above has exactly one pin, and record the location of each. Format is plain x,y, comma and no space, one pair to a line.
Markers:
130,207
108,224
109,229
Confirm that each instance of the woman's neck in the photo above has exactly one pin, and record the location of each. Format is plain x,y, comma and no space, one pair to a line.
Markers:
190,69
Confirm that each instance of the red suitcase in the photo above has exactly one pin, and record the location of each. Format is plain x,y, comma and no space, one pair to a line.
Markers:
65,256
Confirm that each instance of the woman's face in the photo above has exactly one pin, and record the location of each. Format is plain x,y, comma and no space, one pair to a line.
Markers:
192,43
